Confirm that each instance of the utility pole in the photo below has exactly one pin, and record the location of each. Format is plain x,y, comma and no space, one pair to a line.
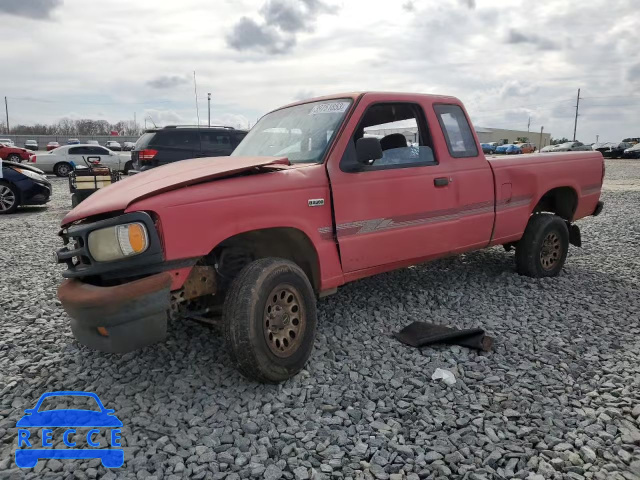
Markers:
540,142
529,125
6,109
135,124
209,106
597,137
575,123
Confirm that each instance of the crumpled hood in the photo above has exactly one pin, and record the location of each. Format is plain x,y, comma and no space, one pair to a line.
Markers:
120,195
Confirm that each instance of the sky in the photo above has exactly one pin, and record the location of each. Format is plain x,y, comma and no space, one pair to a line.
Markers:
509,61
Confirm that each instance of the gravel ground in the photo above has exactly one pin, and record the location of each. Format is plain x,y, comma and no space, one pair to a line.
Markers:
559,397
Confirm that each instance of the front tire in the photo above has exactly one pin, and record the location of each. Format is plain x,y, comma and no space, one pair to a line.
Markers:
14,158
62,169
9,198
542,250
270,320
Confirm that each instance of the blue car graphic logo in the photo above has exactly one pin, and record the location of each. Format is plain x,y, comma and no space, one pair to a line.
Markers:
28,453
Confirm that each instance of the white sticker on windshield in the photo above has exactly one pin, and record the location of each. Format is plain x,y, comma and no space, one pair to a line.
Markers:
334,107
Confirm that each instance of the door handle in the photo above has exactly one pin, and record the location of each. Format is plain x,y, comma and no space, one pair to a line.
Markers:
441,181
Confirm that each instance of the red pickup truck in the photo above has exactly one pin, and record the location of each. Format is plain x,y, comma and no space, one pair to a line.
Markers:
311,199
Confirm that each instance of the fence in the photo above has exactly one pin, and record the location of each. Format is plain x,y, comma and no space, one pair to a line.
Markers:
62,139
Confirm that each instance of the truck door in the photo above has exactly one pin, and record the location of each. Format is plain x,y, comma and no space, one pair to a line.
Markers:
408,206
458,147
400,208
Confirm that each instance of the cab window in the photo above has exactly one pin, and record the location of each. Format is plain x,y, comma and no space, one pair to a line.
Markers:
403,134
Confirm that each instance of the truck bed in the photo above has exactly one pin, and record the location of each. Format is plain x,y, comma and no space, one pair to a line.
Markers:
522,180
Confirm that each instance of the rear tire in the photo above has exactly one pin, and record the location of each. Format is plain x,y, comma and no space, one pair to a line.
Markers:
542,250
62,169
9,197
75,200
128,166
270,320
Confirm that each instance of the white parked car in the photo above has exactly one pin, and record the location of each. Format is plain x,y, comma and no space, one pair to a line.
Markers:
572,147
113,145
61,160
8,142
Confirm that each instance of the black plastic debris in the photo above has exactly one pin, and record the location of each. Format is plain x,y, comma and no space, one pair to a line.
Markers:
420,334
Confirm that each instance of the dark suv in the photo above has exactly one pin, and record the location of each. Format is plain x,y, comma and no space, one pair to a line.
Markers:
160,146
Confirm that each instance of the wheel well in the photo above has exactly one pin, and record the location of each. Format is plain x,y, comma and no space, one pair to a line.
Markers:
232,254
562,201
15,187
59,163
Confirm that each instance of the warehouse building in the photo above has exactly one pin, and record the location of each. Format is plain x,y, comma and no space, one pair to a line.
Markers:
500,135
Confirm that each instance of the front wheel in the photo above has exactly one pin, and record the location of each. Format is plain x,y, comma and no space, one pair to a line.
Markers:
14,158
270,320
62,169
9,199
542,250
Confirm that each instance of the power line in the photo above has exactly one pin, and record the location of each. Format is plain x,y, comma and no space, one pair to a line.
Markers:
44,100
613,96
524,106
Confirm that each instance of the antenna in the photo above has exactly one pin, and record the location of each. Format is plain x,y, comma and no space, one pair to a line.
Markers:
154,123
195,90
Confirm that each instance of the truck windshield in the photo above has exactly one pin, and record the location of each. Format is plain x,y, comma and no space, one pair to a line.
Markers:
302,132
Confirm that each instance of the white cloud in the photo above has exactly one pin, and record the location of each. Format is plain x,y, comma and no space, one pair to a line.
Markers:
506,64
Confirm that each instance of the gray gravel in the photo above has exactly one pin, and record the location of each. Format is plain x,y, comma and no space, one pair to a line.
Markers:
558,398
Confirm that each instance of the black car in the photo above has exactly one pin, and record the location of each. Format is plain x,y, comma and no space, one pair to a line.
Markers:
614,150
22,185
160,146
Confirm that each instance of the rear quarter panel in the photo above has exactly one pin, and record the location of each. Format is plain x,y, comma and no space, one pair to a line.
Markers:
46,161
520,183
197,218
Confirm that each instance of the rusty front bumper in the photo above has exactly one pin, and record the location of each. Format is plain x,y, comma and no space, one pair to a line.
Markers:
118,319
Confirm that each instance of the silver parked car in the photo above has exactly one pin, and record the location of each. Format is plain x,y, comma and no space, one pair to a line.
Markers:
572,147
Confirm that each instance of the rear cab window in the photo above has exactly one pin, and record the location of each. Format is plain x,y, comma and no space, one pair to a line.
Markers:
457,131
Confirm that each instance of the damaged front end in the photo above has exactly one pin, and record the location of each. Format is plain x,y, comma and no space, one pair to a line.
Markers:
118,286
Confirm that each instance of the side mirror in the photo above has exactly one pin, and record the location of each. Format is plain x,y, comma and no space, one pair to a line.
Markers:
368,150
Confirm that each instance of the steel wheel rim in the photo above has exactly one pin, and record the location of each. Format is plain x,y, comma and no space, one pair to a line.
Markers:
7,198
284,321
551,251
63,170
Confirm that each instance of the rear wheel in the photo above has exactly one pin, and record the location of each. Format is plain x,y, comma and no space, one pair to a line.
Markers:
14,157
542,250
270,320
62,169
75,200
128,166
9,198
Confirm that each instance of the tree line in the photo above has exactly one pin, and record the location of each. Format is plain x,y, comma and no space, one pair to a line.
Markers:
81,127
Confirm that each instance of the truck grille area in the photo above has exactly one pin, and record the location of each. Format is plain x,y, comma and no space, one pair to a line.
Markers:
77,257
